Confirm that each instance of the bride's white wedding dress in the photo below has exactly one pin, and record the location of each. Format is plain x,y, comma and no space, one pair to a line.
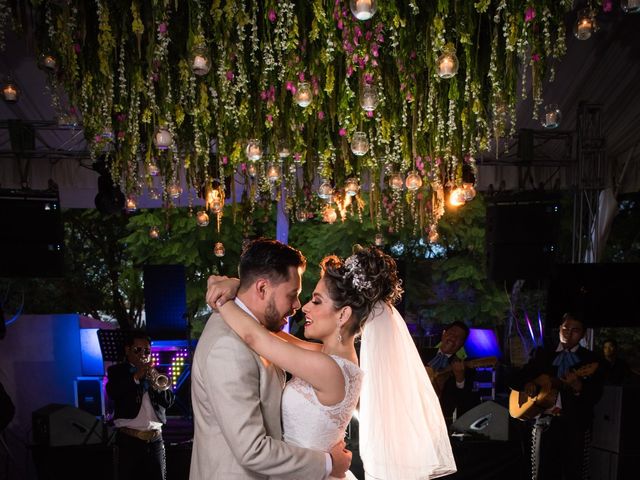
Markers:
309,424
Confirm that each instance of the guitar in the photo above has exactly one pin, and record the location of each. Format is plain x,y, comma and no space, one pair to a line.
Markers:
524,407
439,378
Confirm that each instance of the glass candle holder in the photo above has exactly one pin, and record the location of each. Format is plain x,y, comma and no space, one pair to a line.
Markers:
352,186
359,144
447,63
254,150
396,182
304,95
552,116
369,97
363,9
413,181
200,62
162,138
202,218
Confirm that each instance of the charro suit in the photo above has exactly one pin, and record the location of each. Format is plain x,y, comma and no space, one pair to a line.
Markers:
236,399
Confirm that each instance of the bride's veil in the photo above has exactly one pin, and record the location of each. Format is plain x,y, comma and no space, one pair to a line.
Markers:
403,434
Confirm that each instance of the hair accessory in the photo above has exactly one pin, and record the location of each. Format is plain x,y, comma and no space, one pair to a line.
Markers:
353,269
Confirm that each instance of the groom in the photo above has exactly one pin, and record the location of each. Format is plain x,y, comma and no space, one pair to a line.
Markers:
236,394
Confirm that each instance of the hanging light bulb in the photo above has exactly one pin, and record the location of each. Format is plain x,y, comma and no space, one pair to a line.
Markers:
304,95
396,182
200,62
202,218
413,181
174,190
329,214
378,240
218,249
131,204
586,24
273,173
552,116
251,170
369,97
359,144
325,190
351,186
162,138
630,6
456,197
302,215
154,232
152,168
254,150
10,91
47,62
216,206
447,63
283,149
363,9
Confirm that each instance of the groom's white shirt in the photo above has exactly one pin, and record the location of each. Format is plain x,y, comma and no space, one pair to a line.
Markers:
236,405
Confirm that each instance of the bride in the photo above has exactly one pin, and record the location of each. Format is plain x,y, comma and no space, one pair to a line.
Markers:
402,431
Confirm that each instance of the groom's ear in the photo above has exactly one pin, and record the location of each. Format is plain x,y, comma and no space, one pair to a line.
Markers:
261,287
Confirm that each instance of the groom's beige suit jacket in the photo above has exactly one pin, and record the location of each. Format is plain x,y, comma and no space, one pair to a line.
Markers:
236,399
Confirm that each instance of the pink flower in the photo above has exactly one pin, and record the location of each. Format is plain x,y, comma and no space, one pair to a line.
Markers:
340,24
272,16
342,132
296,157
535,57
243,167
121,117
120,134
374,50
269,118
230,76
369,114
301,76
368,78
349,71
607,6
320,115
76,47
225,160
162,28
357,31
289,85
529,14
368,35
97,138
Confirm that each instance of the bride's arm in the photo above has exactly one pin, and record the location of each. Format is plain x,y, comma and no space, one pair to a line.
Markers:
315,367
221,289
287,337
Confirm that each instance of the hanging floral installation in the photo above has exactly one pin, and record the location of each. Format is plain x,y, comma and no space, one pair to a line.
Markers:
354,108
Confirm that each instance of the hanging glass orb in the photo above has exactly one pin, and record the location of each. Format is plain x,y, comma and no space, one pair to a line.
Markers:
447,63
469,191
369,97
202,218
216,205
10,91
154,232
630,6
273,173
218,249
396,182
325,190
302,215
304,95
359,144
131,205
162,138
283,149
456,197
351,186
552,116
154,193
413,181
329,214
585,25
378,240
363,9
254,150
251,170
174,190
200,62
433,235
47,62
152,168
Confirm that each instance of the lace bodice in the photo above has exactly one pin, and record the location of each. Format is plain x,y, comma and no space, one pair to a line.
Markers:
309,424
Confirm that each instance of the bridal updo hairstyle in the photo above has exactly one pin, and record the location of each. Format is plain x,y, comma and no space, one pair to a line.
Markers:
360,281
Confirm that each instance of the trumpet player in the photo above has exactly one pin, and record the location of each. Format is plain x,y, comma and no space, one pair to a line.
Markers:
139,411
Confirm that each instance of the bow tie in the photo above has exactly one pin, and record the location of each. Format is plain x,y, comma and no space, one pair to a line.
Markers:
565,360
439,362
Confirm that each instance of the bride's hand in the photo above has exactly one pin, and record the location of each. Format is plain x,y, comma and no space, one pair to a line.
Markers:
221,289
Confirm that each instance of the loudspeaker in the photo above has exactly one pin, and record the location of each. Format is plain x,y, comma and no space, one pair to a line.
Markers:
58,425
605,294
89,395
165,298
521,237
616,421
488,419
32,240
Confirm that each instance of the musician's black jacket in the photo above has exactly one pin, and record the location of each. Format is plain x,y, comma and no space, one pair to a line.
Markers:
126,394
576,407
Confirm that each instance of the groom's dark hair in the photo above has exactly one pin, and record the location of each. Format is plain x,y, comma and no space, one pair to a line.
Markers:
266,258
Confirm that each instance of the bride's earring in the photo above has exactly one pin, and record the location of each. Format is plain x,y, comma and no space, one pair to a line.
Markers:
339,337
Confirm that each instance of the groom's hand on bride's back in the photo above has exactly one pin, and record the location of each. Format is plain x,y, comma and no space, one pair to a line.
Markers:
341,459
221,289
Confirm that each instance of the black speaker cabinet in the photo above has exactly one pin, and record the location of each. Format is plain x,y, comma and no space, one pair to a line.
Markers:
165,301
57,425
488,419
521,237
89,395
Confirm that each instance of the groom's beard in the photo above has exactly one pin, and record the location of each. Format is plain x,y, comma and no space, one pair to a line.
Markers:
272,318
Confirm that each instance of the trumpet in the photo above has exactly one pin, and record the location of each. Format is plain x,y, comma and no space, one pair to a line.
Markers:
158,381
